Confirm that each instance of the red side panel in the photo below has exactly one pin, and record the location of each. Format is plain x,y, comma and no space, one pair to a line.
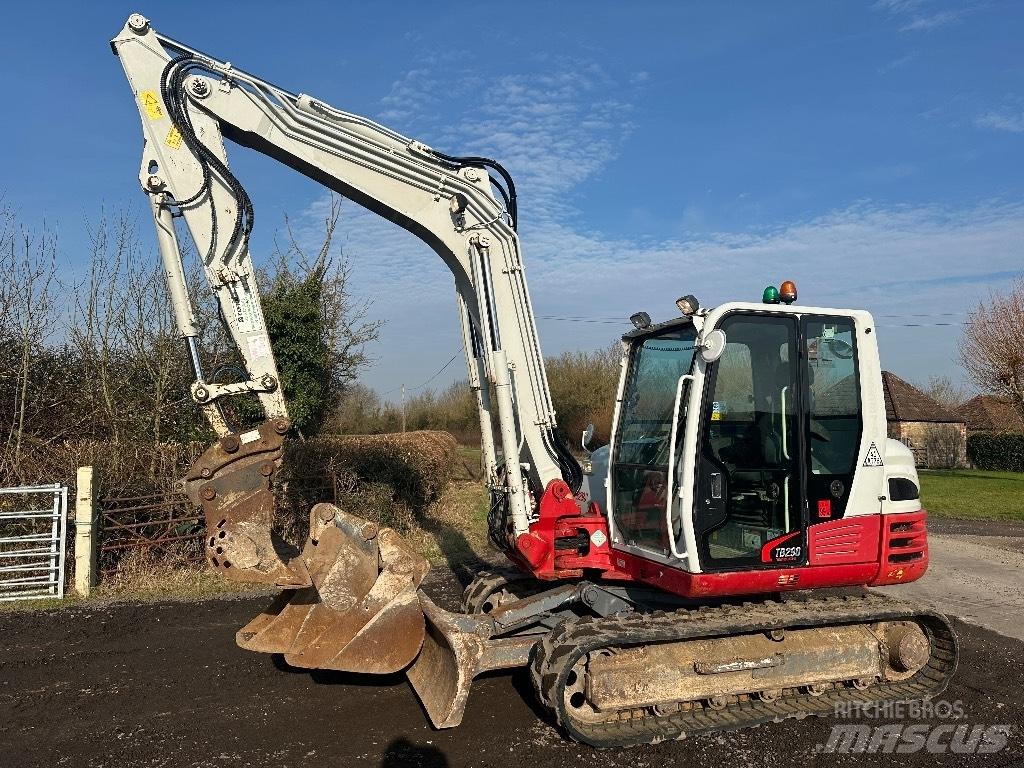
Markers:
846,540
868,550
864,550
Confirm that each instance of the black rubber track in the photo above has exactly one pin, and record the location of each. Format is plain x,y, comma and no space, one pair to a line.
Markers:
555,656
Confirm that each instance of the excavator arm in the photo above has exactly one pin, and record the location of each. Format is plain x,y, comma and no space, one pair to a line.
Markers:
350,598
189,102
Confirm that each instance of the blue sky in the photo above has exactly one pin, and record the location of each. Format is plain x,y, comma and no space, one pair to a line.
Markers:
871,151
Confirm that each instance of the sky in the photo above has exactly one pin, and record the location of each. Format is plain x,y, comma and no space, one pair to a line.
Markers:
870,151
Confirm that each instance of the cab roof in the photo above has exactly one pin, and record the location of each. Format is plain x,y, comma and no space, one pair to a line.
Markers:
747,306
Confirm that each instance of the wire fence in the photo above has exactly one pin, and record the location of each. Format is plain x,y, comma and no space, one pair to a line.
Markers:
163,526
167,528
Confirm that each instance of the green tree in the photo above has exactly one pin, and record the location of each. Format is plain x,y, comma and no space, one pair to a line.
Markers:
295,323
318,331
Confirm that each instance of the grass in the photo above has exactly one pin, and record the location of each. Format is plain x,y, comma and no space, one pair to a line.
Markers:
454,530
143,581
469,463
40,604
160,581
973,494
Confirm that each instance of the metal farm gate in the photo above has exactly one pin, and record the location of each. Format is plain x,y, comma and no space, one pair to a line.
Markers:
33,525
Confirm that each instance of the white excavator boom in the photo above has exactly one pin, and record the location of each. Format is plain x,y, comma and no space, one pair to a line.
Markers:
189,102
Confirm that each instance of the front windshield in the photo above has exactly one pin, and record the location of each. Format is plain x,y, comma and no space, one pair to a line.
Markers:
650,396
639,492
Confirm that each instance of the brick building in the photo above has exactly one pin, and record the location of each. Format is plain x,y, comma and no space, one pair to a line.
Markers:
936,435
992,415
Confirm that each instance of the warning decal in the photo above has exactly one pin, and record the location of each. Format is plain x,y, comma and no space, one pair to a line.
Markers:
173,139
151,103
874,458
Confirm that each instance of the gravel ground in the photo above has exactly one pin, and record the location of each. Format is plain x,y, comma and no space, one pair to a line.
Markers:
163,684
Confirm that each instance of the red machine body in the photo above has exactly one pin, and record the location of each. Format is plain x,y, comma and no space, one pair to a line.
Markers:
859,550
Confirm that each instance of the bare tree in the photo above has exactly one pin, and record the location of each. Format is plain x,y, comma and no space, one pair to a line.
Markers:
124,334
346,318
992,348
944,391
944,447
28,317
97,313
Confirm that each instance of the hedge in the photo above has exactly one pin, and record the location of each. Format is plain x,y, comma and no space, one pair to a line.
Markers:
125,469
996,452
390,479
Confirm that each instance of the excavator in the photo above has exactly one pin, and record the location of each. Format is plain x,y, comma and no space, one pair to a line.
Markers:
708,571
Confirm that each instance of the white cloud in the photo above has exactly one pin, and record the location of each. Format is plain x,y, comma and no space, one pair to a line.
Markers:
552,129
904,261
897,6
916,14
1004,120
556,129
898,63
930,21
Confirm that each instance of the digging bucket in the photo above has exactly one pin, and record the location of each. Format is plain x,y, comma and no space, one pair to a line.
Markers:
361,613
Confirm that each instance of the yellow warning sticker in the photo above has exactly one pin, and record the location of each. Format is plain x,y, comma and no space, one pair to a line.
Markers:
173,139
151,103
716,416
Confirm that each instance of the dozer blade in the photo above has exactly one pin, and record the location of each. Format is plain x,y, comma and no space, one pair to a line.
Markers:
456,648
361,614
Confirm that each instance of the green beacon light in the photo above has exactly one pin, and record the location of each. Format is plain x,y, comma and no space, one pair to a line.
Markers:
771,295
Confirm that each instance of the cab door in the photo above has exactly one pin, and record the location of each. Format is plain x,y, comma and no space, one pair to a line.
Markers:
749,509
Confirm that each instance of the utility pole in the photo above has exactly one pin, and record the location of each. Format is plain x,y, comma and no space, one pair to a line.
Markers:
403,409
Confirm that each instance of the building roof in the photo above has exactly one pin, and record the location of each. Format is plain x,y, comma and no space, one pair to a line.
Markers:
905,402
988,413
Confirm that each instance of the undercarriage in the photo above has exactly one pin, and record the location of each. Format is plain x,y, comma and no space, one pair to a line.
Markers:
616,664
646,675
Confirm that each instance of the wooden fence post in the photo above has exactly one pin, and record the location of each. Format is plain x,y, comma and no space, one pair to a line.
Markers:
86,531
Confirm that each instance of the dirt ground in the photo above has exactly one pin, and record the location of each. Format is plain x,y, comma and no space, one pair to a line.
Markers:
163,684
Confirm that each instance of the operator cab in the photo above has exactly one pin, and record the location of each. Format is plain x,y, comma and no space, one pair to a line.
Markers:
721,461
